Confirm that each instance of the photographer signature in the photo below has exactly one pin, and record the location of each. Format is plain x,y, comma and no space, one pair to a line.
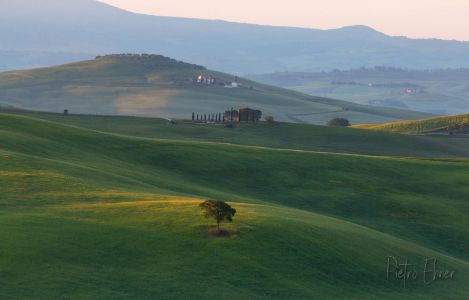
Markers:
403,271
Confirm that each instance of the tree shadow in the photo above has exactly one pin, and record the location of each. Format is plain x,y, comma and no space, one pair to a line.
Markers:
212,231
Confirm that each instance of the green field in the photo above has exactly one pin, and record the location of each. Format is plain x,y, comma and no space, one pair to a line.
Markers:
161,87
280,135
93,210
424,126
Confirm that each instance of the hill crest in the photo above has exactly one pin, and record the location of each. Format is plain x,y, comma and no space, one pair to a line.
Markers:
157,86
147,60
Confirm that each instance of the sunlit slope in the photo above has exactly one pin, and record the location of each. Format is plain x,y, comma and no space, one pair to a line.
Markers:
85,214
432,125
280,135
159,86
158,249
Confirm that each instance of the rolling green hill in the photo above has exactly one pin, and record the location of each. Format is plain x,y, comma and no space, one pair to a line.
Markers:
280,135
88,214
424,126
150,85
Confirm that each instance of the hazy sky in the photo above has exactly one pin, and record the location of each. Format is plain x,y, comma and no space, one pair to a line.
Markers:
448,19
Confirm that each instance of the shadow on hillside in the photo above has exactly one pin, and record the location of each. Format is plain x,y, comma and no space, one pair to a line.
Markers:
212,231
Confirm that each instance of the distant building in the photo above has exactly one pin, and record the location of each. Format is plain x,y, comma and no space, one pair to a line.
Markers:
243,115
209,80
410,91
206,79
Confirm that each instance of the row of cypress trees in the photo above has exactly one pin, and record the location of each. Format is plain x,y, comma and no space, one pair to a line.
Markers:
204,118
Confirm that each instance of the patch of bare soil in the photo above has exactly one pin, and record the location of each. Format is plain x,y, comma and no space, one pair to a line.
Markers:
218,233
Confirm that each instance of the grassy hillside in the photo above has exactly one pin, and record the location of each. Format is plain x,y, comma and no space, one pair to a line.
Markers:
86,214
441,92
159,86
280,135
432,125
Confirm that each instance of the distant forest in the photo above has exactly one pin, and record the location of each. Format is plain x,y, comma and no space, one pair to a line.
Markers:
375,72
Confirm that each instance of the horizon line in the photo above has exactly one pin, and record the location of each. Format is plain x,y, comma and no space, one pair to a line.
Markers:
284,26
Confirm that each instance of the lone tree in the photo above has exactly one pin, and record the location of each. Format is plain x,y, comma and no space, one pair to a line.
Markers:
339,122
218,210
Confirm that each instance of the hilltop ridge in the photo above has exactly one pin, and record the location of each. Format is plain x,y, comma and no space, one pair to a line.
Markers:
158,86
148,60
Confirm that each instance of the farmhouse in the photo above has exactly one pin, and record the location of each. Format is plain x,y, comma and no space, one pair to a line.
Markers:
243,115
206,80
210,80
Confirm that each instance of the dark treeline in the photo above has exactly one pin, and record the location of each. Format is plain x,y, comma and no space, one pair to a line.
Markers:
208,118
431,74
151,60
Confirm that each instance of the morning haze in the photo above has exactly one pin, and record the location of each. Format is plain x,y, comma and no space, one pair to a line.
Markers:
417,19
148,151
59,31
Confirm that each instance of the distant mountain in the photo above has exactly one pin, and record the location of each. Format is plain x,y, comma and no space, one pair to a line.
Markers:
152,85
45,32
443,91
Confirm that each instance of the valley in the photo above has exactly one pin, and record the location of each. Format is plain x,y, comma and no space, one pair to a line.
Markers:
436,91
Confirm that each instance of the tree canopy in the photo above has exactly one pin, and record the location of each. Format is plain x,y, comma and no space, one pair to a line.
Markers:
218,210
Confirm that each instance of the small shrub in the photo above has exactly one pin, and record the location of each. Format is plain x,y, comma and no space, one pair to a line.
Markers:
342,122
269,119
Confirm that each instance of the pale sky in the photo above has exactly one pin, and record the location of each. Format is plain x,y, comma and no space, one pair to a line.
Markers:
446,19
